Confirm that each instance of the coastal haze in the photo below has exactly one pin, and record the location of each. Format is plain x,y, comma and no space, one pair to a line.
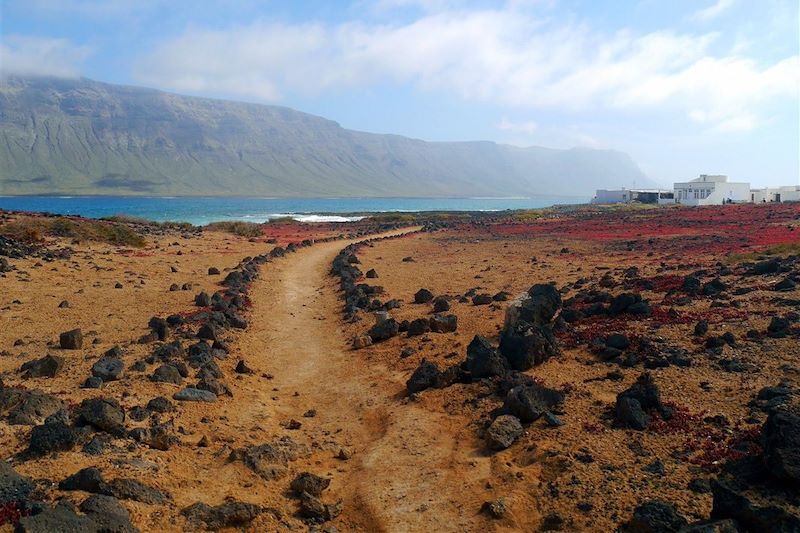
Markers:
64,136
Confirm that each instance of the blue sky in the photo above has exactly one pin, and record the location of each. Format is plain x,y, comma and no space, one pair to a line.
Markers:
685,87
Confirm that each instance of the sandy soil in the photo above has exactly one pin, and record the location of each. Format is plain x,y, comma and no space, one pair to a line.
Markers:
413,464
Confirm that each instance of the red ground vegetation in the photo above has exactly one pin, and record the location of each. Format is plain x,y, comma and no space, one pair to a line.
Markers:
709,229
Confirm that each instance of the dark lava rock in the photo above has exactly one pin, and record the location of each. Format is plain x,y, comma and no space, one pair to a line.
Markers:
159,404
194,395
130,489
108,513
503,432
423,296
542,304
103,413
13,486
443,323
371,274
60,518
483,360
440,305
419,326
426,376
28,407
159,437
108,368
384,330
691,285
71,340
714,287
787,284
52,437
47,367
781,434
525,345
208,332
531,401
86,479
228,515
769,266
655,516
482,299
501,296
242,368
310,483
701,328
729,503
633,403
202,300
213,271
618,341
269,460
167,374
313,508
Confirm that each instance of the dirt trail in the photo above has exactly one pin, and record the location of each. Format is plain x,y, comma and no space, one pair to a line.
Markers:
408,469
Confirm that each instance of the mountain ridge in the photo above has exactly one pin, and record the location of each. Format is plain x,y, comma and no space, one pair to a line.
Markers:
80,136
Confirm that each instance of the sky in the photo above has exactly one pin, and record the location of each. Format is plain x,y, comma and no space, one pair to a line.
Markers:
686,87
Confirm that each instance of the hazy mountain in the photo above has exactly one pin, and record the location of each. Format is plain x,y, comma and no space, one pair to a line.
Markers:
70,136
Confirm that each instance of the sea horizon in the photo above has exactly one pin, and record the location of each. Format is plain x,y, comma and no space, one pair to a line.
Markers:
200,210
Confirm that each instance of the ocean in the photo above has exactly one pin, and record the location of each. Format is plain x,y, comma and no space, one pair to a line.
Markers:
199,211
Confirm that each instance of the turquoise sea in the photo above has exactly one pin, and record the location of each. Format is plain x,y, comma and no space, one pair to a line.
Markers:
200,211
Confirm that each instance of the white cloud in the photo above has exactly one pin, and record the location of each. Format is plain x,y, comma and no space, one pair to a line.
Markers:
713,11
500,56
26,55
527,127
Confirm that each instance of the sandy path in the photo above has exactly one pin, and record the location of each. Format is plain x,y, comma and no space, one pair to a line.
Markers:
408,470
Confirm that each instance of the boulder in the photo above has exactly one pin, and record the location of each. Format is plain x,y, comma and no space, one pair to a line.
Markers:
419,326
108,513
655,516
634,402
59,518
313,508
525,345
440,305
231,514
781,436
167,374
424,377
47,367
52,437
13,486
503,432
529,402
194,395
730,503
71,340
443,323
384,330
542,304
482,299
108,368
102,413
423,296
310,483
483,360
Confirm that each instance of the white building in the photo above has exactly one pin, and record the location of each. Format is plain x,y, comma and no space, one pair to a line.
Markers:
623,196
711,189
788,193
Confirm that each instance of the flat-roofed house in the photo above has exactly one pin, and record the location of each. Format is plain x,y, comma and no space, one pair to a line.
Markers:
711,189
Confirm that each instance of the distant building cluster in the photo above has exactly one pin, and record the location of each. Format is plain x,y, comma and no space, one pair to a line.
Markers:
708,189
